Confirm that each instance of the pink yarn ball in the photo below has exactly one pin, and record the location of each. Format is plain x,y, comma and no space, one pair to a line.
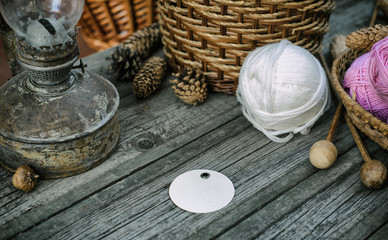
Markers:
378,68
356,81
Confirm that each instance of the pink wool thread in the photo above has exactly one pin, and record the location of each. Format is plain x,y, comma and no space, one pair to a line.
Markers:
378,68
356,81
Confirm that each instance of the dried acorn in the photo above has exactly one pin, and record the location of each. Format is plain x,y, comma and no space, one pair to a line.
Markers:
190,86
150,77
24,178
129,56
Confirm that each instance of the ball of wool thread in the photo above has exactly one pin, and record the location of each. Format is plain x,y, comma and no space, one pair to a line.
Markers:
358,85
378,68
283,90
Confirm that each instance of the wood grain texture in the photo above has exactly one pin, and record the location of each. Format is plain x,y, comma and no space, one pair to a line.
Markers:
380,233
326,213
207,152
279,194
150,204
163,120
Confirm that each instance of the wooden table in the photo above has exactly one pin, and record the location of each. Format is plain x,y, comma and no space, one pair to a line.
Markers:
279,194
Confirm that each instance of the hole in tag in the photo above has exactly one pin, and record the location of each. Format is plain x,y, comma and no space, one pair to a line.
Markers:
205,175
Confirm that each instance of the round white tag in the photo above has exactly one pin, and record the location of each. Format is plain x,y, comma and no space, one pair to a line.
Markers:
201,191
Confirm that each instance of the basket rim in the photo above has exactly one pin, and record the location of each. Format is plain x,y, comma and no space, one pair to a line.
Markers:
350,104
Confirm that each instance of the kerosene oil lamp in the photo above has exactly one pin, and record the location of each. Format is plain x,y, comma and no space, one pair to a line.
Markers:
58,120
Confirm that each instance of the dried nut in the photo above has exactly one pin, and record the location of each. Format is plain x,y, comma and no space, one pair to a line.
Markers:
24,178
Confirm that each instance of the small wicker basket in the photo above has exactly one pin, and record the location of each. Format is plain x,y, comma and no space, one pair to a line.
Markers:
216,35
373,127
106,23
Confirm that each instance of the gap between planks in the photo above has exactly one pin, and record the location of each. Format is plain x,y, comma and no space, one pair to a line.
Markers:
178,140
174,173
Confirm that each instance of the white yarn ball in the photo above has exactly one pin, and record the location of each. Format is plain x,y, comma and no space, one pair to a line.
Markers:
283,89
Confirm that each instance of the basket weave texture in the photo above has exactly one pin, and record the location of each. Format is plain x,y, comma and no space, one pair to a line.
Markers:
106,23
216,35
373,127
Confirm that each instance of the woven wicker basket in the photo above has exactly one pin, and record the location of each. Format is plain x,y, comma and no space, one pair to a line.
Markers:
373,127
106,23
216,35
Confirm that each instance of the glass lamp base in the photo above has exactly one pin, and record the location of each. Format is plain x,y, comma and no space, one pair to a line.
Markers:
58,133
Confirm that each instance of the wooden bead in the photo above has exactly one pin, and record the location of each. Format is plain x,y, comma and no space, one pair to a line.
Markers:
323,154
373,174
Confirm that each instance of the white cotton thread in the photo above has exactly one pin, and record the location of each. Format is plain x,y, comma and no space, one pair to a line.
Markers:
283,89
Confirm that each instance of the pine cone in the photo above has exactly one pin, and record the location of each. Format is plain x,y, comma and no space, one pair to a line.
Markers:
126,63
150,77
145,40
365,38
130,55
190,86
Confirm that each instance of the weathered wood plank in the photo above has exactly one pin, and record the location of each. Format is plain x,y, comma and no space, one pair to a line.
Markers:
130,192
151,205
259,191
332,213
265,192
127,195
161,118
301,194
358,217
382,233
